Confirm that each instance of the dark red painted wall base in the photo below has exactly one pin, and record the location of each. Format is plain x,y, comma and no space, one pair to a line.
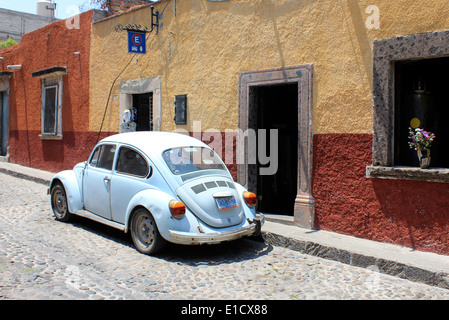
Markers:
26,148
409,213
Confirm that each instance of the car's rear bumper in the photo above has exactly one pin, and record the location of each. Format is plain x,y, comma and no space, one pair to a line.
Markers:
253,228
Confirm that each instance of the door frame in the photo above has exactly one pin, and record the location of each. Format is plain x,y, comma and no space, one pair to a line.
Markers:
139,86
5,89
302,74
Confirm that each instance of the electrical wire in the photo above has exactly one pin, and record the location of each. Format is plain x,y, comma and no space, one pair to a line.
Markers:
109,96
116,78
165,6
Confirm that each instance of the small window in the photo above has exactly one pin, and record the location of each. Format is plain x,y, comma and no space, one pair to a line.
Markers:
49,112
94,159
51,101
131,162
103,157
181,109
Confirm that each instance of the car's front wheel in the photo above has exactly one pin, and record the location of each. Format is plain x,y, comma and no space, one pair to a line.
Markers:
59,203
144,232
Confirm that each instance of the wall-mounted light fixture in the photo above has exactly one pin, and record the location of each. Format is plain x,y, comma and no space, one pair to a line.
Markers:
419,87
14,66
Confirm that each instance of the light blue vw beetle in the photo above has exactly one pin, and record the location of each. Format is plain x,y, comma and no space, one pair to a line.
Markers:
160,187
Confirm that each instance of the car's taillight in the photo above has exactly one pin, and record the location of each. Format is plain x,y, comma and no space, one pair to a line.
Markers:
250,199
177,209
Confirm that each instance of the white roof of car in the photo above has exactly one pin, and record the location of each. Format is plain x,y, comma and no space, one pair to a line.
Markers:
154,142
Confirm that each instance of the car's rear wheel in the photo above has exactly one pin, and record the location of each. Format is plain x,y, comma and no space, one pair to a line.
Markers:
144,232
59,203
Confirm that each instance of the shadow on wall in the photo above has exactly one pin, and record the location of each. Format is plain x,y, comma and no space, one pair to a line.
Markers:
408,213
418,211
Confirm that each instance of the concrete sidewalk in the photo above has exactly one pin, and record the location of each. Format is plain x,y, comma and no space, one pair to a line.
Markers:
406,263
39,176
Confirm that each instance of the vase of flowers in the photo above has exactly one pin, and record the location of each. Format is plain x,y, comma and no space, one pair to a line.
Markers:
421,141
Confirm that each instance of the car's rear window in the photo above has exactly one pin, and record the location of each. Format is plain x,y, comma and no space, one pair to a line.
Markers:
189,159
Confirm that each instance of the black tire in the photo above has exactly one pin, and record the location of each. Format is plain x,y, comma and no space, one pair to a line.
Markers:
59,203
145,234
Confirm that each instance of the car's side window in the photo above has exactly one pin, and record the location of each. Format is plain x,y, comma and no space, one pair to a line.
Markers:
94,160
103,157
131,162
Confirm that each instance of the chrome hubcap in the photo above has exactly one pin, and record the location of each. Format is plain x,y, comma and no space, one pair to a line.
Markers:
60,203
145,230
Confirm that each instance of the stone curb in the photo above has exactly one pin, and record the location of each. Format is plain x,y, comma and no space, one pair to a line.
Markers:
389,267
25,176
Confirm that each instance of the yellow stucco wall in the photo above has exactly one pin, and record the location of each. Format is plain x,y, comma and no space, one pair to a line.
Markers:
201,50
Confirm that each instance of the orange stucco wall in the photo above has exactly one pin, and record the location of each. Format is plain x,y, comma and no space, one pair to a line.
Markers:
50,46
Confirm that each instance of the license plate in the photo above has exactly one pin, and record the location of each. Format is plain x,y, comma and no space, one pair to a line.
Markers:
226,203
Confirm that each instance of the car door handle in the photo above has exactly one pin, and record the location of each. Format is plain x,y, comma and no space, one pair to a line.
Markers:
107,179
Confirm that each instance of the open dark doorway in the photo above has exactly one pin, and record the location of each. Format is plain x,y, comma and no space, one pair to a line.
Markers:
143,103
276,107
3,124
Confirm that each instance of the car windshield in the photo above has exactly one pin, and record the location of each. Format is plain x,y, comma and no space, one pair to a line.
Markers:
189,159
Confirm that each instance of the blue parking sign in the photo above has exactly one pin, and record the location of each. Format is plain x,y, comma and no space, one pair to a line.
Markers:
136,42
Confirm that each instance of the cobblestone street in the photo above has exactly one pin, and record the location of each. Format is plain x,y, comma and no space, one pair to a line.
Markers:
41,258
